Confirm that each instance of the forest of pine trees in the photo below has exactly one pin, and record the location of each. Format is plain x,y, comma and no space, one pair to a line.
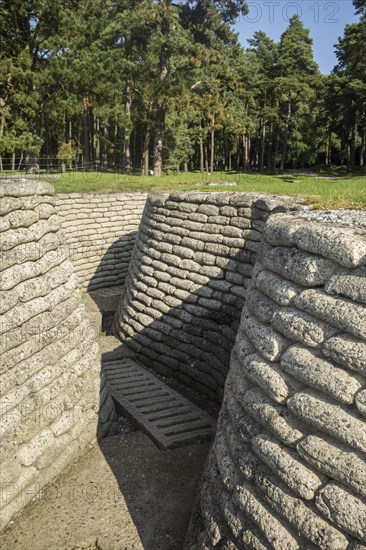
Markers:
144,85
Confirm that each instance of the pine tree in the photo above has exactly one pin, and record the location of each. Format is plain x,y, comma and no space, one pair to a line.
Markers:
25,28
296,78
264,55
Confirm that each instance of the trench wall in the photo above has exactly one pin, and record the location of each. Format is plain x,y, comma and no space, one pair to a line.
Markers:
186,286
53,401
288,469
100,230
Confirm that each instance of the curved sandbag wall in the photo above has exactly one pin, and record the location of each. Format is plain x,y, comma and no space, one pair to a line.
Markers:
100,230
187,282
288,469
53,400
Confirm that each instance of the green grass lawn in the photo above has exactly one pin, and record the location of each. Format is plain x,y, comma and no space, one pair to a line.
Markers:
344,191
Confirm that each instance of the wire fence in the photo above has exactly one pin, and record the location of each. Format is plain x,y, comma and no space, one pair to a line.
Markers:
48,164
53,168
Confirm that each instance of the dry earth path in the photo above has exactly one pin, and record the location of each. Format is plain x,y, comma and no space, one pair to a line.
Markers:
123,494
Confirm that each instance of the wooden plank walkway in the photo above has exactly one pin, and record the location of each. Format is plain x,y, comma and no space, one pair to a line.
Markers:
167,417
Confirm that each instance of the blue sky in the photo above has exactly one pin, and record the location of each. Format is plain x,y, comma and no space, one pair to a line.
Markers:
326,20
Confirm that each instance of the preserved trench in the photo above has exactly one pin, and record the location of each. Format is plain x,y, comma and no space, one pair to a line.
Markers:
279,289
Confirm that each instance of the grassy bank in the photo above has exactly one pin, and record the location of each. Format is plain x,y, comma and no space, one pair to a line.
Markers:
324,191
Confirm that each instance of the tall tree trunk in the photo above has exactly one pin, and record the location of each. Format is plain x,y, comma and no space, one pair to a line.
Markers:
237,156
63,163
248,148
115,138
212,159
145,153
80,156
70,142
159,141
134,145
263,136
263,141
127,131
287,128
91,135
86,156
202,157
225,139
96,139
245,152
161,109
227,154
47,141
13,161
202,149
269,151
206,155
256,155
105,149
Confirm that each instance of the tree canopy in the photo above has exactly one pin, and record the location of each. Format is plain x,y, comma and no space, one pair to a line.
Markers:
153,85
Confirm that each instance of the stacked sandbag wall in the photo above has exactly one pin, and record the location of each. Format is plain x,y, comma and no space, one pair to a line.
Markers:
100,230
53,400
187,282
288,469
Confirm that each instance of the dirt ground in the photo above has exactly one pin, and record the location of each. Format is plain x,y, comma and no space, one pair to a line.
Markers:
123,494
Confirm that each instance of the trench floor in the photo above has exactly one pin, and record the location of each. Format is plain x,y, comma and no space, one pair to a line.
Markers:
123,494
